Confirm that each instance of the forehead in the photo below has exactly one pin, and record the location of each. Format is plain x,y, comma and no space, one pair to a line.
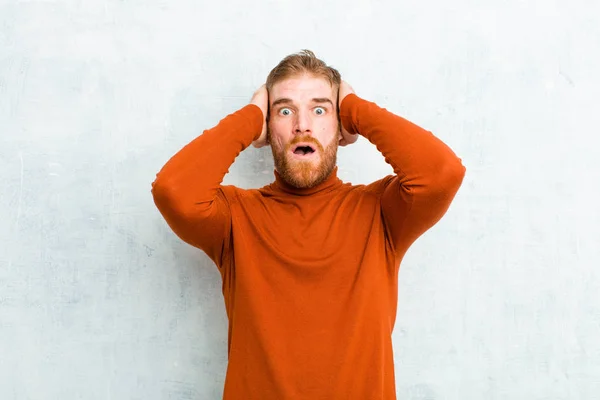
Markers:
302,88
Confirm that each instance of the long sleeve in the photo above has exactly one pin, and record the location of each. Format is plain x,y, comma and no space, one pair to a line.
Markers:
187,190
427,172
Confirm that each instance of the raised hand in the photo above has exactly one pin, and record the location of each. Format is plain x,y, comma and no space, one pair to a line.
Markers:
261,99
346,138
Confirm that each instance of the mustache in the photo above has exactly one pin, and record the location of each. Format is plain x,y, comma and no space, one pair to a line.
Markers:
305,139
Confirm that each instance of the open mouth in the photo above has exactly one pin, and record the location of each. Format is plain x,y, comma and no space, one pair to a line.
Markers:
304,149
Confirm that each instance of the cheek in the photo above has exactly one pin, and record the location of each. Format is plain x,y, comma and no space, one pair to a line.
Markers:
329,131
277,139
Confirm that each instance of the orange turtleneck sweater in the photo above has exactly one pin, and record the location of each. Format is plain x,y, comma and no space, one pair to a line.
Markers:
309,275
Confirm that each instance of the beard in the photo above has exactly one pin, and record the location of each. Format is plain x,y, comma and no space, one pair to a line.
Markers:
304,174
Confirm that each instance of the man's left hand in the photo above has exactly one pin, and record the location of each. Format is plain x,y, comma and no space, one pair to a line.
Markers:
346,138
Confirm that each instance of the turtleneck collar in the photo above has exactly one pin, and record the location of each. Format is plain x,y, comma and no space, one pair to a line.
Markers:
331,182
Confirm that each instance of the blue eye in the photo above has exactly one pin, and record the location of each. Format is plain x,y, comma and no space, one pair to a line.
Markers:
285,111
319,110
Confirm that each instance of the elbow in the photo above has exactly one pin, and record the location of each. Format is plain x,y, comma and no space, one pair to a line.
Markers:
451,175
177,204
160,192
165,198
175,211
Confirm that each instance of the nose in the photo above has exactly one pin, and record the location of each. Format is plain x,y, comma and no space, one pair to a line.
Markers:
302,123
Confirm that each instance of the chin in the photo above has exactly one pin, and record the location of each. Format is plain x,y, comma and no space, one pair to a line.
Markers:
305,176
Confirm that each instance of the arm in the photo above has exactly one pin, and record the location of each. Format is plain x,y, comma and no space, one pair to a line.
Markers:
427,172
187,190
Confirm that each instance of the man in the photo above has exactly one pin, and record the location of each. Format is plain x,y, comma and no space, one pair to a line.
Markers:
309,263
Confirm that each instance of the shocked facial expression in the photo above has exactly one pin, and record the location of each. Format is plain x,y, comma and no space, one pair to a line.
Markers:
303,129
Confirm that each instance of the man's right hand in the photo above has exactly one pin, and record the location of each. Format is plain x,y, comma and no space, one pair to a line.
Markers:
261,99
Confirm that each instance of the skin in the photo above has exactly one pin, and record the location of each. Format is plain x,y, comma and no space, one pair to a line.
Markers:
303,112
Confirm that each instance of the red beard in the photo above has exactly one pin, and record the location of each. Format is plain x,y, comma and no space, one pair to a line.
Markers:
305,173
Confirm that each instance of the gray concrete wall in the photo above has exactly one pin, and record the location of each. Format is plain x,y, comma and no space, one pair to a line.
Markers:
99,300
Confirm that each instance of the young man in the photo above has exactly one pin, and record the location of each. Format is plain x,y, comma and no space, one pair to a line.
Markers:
309,263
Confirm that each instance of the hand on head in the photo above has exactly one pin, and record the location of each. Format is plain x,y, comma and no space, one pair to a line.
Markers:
261,99
346,138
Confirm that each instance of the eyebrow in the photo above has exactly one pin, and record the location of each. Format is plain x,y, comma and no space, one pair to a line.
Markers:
285,100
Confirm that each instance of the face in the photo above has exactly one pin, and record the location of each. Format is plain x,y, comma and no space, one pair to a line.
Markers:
303,129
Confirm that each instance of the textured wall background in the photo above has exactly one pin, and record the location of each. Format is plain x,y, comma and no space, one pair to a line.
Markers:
99,300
